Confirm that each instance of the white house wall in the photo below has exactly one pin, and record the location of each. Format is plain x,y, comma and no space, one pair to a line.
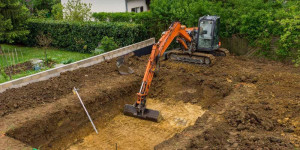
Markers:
105,5
136,3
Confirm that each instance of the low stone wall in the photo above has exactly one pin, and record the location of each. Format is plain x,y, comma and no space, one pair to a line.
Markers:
79,64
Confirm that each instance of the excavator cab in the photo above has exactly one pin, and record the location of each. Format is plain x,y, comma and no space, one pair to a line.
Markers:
208,28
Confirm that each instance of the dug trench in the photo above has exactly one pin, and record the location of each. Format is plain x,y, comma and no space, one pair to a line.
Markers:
47,115
236,103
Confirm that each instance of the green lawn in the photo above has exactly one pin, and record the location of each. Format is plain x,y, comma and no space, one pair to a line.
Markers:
28,53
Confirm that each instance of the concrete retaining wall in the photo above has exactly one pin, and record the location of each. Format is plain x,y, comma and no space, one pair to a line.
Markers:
79,64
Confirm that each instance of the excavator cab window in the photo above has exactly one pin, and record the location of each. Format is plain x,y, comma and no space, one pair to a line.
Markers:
215,44
205,36
208,38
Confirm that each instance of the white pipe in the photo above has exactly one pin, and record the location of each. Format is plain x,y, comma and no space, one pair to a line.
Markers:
87,113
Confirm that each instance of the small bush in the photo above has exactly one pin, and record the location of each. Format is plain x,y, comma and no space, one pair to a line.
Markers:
57,11
75,10
4,75
98,51
42,14
297,60
68,61
108,44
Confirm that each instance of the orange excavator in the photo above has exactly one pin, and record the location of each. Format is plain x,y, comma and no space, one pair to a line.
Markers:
199,45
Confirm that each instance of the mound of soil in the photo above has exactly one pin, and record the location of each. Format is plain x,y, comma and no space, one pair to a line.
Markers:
255,104
51,90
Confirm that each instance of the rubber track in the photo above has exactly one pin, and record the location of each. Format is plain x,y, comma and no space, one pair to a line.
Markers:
192,58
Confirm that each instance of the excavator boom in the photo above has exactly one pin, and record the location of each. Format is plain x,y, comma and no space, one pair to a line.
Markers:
138,109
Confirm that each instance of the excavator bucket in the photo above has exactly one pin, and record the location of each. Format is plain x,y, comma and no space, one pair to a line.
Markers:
149,114
123,67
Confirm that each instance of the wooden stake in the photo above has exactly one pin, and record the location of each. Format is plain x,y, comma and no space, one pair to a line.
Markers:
7,65
22,56
13,56
17,55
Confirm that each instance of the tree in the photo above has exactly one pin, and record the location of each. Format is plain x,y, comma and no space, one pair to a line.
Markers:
44,4
75,10
44,40
57,11
13,15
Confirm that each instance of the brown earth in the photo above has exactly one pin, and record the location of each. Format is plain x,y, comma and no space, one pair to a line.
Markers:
15,69
256,104
249,104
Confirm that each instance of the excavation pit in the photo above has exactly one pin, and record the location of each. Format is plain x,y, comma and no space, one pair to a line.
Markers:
60,122
72,130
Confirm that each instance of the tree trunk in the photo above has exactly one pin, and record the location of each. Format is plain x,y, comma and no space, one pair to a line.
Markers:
1,50
46,60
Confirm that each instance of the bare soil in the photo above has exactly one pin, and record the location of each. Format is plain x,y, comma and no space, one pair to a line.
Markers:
256,105
15,69
247,104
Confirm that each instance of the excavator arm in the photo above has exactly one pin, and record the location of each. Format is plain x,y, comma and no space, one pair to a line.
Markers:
139,108
176,29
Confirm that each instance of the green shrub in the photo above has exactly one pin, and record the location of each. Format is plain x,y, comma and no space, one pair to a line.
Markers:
114,17
297,60
4,75
143,18
108,44
75,10
13,16
84,36
68,61
42,14
57,11
98,51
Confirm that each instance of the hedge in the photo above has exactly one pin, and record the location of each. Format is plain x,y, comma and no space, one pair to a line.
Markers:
84,36
144,18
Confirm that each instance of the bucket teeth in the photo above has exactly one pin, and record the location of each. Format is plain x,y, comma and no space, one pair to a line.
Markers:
149,114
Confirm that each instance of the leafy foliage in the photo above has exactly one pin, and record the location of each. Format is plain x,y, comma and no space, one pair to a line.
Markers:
144,18
3,74
84,36
57,11
44,13
68,61
75,10
36,7
108,44
256,20
44,4
13,15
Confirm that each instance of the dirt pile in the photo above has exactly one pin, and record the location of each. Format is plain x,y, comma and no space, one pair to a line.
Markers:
51,90
260,110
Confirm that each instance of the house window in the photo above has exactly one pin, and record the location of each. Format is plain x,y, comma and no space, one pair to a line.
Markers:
137,9
142,9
